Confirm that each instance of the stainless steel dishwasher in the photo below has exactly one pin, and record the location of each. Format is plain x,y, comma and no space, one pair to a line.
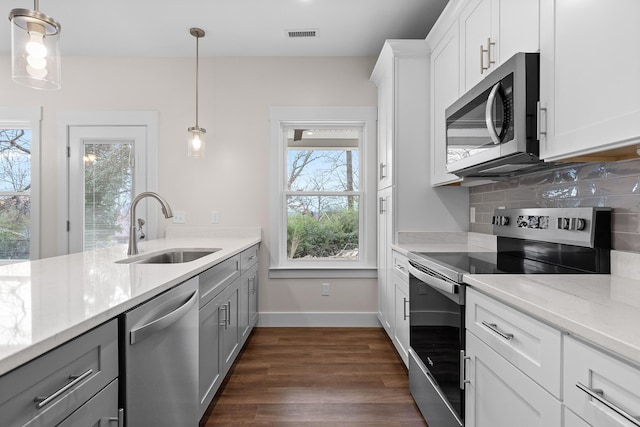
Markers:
161,360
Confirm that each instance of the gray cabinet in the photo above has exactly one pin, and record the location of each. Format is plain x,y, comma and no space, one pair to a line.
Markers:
248,292
100,411
49,389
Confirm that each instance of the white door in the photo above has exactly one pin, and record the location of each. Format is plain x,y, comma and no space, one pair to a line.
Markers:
107,167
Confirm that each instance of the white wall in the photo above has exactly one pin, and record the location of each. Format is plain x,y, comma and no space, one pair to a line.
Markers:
235,95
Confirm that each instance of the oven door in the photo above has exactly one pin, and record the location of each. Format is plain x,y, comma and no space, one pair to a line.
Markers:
436,316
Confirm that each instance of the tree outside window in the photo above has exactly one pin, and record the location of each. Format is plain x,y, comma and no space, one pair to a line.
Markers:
15,193
322,193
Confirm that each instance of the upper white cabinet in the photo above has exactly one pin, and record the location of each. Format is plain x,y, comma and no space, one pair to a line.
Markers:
589,79
445,89
491,31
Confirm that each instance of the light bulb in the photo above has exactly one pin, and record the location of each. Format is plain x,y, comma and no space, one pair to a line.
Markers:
196,143
36,63
37,73
35,46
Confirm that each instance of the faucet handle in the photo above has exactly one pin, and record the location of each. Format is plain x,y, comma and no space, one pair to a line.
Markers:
141,222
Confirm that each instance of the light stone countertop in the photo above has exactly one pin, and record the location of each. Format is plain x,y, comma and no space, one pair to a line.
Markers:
47,302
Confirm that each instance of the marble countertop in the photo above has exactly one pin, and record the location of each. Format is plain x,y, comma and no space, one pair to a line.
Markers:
47,302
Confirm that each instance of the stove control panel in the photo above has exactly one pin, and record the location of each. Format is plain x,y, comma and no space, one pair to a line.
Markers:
575,226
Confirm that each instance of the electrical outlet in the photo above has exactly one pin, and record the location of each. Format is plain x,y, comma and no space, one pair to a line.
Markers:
325,289
215,217
472,214
179,217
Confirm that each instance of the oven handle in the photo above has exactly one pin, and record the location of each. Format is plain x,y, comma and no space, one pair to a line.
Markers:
442,285
493,133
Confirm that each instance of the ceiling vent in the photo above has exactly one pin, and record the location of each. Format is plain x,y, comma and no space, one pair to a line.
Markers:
302,34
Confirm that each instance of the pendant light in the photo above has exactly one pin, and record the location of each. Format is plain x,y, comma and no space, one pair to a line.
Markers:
196,143
35,48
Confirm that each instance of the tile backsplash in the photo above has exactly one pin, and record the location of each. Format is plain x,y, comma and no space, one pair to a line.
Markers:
615,185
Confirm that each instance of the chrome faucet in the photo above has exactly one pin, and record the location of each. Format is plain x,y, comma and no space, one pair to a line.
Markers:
166,210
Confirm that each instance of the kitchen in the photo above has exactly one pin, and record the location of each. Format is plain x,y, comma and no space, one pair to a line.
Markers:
240,92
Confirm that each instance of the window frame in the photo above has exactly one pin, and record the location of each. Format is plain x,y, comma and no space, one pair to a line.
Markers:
31,118
282,119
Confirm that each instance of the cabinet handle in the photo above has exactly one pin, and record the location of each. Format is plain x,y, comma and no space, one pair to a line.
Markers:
138,334
541,121
119,419
488,52
598,395
224,320
229,312
382,169
463,359
404,308
494,328
252,257
41,401
252,289
382,209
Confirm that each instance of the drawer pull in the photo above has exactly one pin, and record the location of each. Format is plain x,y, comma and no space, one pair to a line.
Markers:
494,328
41,402
119,419
598,395
252,257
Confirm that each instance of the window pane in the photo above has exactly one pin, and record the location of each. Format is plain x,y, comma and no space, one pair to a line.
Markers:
15,214
323,159
323,227
107,194
15,159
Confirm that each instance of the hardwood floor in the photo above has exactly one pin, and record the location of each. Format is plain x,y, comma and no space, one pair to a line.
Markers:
316,377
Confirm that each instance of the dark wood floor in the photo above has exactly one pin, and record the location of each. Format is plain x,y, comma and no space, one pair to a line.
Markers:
316,377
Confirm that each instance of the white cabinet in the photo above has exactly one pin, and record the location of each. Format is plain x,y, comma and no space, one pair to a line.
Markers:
600,388
513,368
385,239
589,85
498,394
47,390
445,90
400,283
491,31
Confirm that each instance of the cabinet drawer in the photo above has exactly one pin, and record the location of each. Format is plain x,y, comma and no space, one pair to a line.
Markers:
215,279
528,344
400,266
248,258
101,410
611,381
67,376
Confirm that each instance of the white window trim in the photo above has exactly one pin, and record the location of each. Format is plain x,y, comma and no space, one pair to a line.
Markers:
106,118
280,266
31,117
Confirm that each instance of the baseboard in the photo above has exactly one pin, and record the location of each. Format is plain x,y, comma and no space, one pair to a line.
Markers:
328,319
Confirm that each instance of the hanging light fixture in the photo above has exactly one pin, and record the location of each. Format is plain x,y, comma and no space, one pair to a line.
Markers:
35,48
196,141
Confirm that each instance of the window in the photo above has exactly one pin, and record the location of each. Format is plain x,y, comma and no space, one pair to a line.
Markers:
322,190
19,172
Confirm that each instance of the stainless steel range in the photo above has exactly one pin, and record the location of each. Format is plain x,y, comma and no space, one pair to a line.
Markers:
529,241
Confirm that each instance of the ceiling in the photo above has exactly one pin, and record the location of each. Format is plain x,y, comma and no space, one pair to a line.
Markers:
233,27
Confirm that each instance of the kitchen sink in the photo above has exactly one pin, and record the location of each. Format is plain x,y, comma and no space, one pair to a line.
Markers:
171,256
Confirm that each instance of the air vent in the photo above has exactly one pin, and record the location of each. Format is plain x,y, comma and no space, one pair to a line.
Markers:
296,34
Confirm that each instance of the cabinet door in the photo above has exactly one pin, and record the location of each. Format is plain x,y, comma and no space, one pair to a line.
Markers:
385,128
477,42
519,24
498,393
589,83
248,302
385,230
401,323
445,85
229,345
210,366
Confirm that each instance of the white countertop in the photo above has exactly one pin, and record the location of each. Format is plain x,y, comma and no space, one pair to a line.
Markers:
603,309
47,302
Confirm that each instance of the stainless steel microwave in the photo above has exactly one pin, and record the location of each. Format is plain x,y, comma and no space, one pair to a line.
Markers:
492,129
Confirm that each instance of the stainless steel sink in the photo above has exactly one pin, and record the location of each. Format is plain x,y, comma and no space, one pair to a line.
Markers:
171,256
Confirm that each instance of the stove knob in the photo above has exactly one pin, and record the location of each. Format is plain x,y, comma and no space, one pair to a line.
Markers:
581,225
504,220
578,224
563,223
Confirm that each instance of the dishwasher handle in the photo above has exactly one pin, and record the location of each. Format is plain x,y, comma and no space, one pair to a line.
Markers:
144,331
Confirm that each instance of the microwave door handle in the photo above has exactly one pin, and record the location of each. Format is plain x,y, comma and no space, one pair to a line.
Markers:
493,133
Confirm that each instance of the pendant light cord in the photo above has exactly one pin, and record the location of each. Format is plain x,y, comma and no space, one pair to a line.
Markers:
197,67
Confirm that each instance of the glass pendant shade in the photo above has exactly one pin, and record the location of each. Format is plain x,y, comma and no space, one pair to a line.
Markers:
196,143
35,49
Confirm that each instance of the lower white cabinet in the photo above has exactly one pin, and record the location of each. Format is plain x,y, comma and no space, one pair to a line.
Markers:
400,281
500,395
601,389
51,389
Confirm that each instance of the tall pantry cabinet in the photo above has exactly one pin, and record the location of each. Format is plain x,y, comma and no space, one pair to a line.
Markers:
406,199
